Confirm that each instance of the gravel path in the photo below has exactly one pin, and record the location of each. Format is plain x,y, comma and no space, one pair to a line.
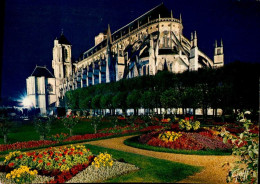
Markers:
212,173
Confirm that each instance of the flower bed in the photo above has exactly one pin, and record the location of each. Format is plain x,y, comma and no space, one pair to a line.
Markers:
57,165
200,140
87,137
27,144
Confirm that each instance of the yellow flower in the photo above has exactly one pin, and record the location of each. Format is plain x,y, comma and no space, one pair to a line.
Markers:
8,176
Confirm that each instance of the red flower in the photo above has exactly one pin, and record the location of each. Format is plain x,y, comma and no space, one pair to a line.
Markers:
68,116
11,164
40,161
56,158
63,160
60,164
58,117
187,118
48,164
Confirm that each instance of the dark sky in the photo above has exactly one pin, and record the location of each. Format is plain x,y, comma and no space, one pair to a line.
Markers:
30,27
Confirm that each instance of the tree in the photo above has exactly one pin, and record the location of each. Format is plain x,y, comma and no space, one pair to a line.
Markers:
148,100
191,98
43,126
5,126
106,102
133,101
72,99
119,101
95,103
169,99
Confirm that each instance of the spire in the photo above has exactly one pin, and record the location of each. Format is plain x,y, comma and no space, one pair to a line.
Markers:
195,40
191,39
109,39
171,14
180,18
221,43
216,43
61,31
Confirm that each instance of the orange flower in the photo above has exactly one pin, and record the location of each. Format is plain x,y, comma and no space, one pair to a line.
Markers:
63,160
40,161
56,159
48,164
60,164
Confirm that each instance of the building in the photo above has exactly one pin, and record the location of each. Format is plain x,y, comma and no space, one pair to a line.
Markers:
41,89
151,43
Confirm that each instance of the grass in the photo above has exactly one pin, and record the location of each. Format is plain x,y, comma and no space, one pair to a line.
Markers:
151,169
133,141
25,131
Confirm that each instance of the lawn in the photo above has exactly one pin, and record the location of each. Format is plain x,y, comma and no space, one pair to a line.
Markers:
26,131
151,169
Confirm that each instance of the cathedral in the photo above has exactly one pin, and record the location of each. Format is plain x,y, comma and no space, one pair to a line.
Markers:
150,43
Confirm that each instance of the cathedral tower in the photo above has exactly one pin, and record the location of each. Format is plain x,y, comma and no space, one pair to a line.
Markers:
61,62
218,55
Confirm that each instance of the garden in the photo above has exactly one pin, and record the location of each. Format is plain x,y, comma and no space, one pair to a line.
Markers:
69,163
47,150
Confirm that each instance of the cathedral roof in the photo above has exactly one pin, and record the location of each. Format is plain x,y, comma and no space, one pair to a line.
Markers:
141,20
42,71
151,14
63,40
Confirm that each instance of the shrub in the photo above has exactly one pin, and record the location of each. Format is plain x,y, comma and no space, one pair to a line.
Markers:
69,122
246,148
58,137
43,127
5,126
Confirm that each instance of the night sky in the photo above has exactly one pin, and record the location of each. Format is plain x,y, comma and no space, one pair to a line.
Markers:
30,27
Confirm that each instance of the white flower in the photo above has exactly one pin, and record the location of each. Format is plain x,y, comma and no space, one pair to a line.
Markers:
242,120
247,112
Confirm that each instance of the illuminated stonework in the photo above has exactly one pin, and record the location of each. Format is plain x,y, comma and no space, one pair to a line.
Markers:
150,43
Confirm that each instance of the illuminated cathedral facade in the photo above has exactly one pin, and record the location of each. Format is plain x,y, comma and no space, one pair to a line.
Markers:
153,42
